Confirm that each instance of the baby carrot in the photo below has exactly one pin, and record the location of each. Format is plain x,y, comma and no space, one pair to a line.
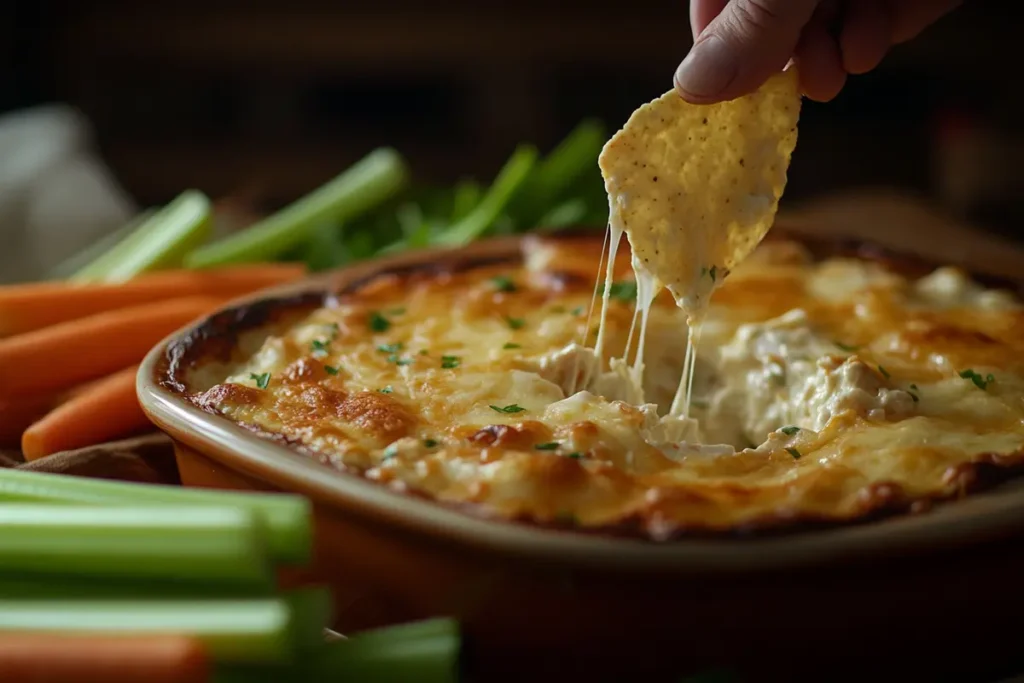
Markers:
103,411
59,658
70,353
32,306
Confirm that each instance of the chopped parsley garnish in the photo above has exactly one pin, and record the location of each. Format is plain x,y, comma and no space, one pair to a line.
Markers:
845,347
320,347
515,323
503,283
391,348
979,381
429,443
884,372
789,431
623,291
424,352
378,323
449,362
575,456
331,370
794,452
511,345
510,408
550,446
335,330
577,311
385,390
393,358
390,452
261,380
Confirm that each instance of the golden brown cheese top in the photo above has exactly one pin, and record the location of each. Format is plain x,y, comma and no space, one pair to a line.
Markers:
824,391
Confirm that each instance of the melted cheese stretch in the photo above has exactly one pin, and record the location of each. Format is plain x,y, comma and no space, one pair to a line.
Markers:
815,384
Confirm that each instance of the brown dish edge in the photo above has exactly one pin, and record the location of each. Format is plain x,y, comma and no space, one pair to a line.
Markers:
218,334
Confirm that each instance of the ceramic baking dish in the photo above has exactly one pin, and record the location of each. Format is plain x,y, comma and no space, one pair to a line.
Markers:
537,600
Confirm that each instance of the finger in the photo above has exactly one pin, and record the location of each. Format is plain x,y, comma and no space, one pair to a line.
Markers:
910,17
702,12
865,36
745,44
820,63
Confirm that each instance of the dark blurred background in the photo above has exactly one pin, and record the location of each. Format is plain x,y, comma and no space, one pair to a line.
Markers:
271,99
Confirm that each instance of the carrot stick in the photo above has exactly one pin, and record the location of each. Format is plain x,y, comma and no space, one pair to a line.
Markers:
70,353
103,411
58,658
32,306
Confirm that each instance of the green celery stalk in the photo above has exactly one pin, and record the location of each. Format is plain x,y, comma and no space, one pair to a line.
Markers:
286,519
260,673
369,182
325,249
558,171
510,179
47,587
426,652
257,630
568,213
181,543
467,196
94,251
160,241
313,610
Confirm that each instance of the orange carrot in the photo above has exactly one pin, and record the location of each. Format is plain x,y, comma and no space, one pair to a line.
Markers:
57,658
102,411
70,353
32,306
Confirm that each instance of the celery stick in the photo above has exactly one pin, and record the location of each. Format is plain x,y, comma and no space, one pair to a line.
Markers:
558,171
202,544
313,611
160,241
426,652
259,630
99,248
325,248
45,587
260,673
467,196
566,214
368,183
286,518
510,179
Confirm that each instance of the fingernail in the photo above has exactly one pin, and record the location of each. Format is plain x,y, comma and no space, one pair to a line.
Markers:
707,70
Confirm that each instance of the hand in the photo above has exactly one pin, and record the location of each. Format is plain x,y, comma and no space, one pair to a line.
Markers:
738,44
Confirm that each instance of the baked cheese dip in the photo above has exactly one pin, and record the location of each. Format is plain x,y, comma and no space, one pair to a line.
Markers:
566,385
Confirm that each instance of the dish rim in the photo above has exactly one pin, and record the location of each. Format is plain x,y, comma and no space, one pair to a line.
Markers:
984,516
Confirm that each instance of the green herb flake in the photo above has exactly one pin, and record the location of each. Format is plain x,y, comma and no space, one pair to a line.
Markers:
386,390
261,380
430,443
515,323
510,408
578,311
503,283
575,455
378,323
320,348
334,330
979,381
550,446
789,431
331,370
424,352
794,452
390,452
450,362
623,291
884,372
511,345
394,358
391,348
845,347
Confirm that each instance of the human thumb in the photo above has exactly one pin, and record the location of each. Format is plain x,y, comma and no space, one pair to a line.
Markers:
741,48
